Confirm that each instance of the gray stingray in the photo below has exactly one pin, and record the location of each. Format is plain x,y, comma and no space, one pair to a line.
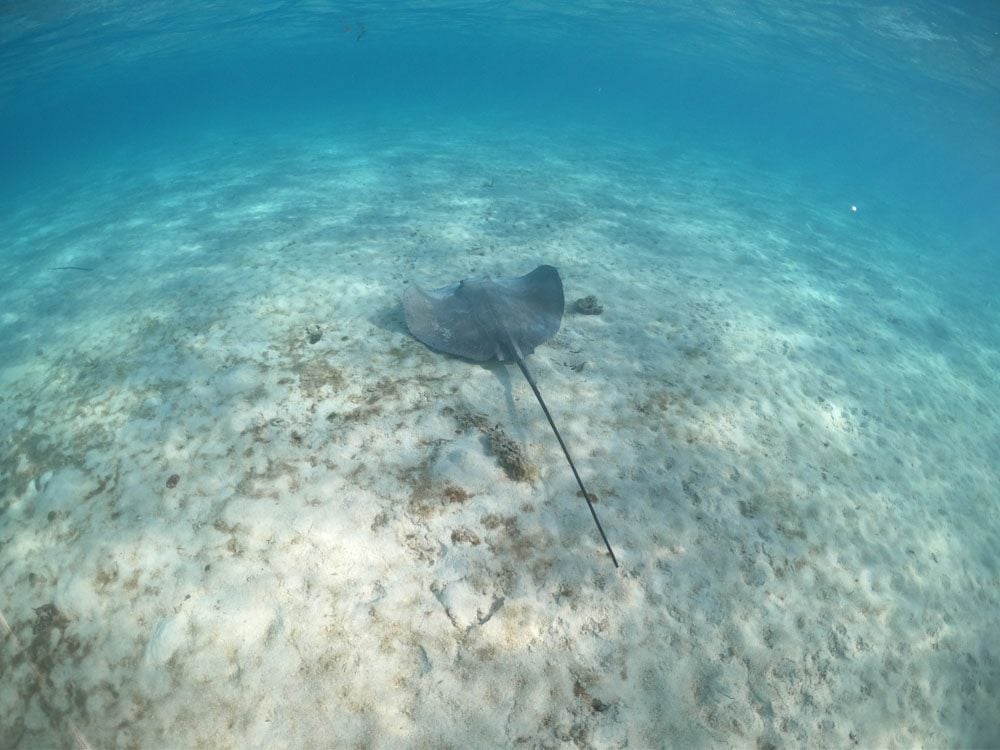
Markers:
483,319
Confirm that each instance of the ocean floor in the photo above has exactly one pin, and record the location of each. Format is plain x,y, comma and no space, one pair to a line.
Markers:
241,507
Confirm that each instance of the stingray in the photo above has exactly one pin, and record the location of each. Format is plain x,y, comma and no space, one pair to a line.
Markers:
503,319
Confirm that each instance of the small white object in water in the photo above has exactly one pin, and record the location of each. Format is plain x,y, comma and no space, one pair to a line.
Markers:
854,209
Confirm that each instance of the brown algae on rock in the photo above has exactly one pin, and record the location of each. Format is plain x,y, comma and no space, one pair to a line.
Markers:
588,306
509,453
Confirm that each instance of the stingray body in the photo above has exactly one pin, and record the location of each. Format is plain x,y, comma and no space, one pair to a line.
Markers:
504,319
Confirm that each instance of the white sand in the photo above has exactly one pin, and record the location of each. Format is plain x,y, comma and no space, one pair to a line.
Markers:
793,439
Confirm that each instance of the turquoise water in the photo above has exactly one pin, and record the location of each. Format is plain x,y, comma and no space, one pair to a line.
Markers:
241,506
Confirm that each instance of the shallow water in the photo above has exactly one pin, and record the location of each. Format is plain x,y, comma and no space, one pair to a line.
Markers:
241,506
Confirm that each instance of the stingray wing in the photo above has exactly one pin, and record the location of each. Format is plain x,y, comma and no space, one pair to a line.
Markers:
473,319
530,307
445,321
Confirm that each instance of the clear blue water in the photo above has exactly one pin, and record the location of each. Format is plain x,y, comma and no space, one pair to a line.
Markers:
898,101
895,106
866,137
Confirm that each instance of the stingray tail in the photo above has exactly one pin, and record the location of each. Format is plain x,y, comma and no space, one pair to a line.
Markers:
531,381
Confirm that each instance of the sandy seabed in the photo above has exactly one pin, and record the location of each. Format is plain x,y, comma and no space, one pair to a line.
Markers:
241,507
